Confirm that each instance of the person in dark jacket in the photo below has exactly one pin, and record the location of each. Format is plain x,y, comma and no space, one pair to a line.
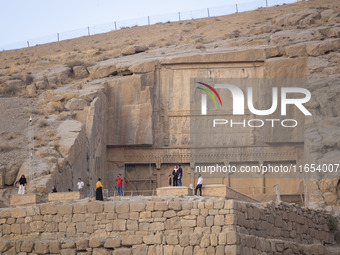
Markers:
175,176
180,175
22,183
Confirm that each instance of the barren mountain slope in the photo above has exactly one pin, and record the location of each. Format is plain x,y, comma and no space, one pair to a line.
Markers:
59,81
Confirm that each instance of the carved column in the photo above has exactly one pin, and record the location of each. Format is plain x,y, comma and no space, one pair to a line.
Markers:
263,183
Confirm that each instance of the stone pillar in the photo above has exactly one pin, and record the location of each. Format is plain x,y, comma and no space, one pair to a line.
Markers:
226,163
263,183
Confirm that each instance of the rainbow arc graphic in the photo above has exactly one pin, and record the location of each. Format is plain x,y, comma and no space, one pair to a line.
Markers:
209,93
204,96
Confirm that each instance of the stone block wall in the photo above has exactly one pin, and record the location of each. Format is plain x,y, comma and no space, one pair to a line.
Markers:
163,225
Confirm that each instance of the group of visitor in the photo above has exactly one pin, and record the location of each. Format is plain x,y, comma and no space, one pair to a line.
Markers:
99,187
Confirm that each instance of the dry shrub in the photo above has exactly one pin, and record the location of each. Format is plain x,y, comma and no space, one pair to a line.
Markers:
42,123
74,63
34,111
63,116
130,41
29,79
69,95
6,147
9,89
53,107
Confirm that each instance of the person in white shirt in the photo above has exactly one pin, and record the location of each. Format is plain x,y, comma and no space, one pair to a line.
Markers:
80,185
199,185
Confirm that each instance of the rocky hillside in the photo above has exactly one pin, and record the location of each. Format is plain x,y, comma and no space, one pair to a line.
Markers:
59,85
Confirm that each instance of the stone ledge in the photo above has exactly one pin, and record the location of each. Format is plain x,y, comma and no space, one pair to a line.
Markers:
60,196
27,199
221,190
170,191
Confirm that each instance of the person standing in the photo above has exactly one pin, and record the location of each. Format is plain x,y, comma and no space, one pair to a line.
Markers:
99,190
180,175
175,176
22,183
199,185
169,180
80,185
119,181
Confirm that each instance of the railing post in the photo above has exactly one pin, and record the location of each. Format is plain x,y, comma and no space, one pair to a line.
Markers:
208,12
148,20
88,31
179,16
115,25
28,44
266,3
58,36
236,9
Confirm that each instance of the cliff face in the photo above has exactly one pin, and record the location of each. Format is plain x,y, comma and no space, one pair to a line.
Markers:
118,102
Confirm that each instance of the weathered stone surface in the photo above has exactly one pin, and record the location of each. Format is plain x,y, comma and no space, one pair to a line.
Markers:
123,251
135,104
289,36
82,245
326,14
27,199
168,191
58,75
112,243
73,147
122,208
280,67
96,242
319,48
27,246
137,207
144,67
153,239
103,69
75,104
18,213
65,209
292,19
171,239
2,177
119,225
130,240
41,247
80,72
296,50
11,174
48,209
94,207
330,198
62,196
130,50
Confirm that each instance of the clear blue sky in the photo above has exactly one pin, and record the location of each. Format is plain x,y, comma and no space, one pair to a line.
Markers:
21,20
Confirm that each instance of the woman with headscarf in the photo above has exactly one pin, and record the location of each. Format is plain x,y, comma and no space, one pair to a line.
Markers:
99,190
